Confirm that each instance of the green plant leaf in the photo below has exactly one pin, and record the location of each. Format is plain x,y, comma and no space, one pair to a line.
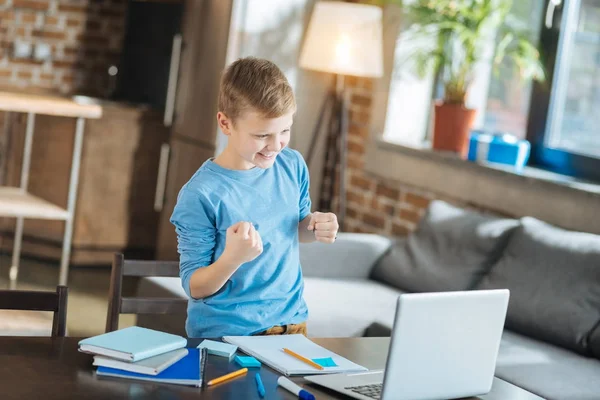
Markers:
463,31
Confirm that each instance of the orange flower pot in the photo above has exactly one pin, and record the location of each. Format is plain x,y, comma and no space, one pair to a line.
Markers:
452,126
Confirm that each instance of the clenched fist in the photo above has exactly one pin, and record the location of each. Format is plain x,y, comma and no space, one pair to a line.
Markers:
325,226
243,243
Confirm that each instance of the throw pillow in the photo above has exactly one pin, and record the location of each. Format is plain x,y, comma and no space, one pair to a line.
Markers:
451,249
595,341
554,280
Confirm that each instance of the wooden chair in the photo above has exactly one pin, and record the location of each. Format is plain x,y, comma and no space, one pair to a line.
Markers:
117,304
28,300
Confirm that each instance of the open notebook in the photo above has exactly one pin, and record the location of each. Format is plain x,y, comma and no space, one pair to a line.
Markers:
187,371
269,349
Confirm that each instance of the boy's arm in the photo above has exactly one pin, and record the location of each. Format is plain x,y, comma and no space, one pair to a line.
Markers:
206,281
243,244
194,222
322,227
305,235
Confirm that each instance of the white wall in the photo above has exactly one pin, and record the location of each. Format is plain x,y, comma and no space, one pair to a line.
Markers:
270,29
274,29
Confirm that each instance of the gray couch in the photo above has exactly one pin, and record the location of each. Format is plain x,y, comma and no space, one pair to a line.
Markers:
551,344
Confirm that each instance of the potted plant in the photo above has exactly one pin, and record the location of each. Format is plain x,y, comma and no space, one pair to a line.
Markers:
454,36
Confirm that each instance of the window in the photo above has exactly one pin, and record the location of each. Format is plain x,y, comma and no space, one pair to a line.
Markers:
578,82
559,116
508,97
502,99
409,100
570,140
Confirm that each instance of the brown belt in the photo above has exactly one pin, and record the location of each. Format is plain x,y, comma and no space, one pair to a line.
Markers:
289,329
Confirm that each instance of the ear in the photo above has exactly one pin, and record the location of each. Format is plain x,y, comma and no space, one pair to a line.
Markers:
224,123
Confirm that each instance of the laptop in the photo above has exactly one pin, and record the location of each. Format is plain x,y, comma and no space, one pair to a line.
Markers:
444,345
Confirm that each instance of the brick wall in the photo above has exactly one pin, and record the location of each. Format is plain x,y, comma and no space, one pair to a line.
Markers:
85,37
375,205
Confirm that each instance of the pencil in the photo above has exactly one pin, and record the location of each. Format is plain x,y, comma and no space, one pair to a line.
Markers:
224,378
203,366
304,359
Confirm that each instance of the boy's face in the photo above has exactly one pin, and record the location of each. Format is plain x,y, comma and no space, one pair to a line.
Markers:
255,141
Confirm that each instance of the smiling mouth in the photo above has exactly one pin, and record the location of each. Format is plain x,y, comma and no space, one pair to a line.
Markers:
268,157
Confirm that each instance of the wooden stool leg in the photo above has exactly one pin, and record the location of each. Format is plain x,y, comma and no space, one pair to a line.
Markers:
14,269
16,255
74,180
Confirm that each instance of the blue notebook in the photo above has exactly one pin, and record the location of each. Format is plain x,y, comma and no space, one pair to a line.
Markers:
150,366
186,371
132,344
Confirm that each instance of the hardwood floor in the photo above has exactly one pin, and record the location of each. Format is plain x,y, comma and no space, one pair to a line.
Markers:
88,293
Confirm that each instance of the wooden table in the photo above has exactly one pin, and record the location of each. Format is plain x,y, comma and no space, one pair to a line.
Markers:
17,202
47,368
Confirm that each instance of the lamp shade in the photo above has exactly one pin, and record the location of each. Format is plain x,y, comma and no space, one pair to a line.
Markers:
344,38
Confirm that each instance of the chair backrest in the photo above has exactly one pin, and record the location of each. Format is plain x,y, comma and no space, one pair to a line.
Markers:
30,300
117,304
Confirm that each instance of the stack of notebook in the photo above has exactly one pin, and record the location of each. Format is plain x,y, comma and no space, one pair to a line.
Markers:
146,354
294,355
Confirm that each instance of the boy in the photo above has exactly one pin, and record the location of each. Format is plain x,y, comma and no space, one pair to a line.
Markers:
240,217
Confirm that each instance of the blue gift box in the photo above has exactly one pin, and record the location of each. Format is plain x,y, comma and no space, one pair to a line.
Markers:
497,147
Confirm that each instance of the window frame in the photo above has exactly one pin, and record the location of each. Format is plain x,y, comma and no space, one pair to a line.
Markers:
542,156
538,132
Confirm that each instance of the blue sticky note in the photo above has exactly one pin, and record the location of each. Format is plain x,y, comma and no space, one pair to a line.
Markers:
247,362
325,362
218,348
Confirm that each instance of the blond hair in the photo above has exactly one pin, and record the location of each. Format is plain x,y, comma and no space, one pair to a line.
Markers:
258,85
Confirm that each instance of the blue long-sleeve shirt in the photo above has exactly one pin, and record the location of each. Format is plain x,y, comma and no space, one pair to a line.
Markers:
268,290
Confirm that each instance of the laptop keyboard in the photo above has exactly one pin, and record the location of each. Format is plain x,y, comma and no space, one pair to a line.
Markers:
372,391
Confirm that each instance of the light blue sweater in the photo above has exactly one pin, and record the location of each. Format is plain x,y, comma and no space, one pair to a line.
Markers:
268,290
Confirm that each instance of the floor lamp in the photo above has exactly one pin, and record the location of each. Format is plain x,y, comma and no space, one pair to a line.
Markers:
342,39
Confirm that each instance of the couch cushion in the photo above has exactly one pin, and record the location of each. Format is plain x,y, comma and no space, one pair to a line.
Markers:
378,329
554,279
336,307
451,249
353,255
162,287
547,370
347,307
595,341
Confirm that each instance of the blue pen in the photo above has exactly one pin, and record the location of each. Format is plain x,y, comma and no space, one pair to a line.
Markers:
259,384
295,389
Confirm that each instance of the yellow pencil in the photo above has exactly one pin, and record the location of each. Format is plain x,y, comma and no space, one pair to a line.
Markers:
224,378
304,359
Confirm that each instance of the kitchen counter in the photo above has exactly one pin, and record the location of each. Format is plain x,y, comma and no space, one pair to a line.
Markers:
17,201
118,179
48,105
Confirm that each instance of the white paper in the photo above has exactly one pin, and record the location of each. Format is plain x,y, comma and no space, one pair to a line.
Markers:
269,350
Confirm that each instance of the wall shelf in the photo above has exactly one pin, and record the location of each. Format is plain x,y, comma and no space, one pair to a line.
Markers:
17,202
